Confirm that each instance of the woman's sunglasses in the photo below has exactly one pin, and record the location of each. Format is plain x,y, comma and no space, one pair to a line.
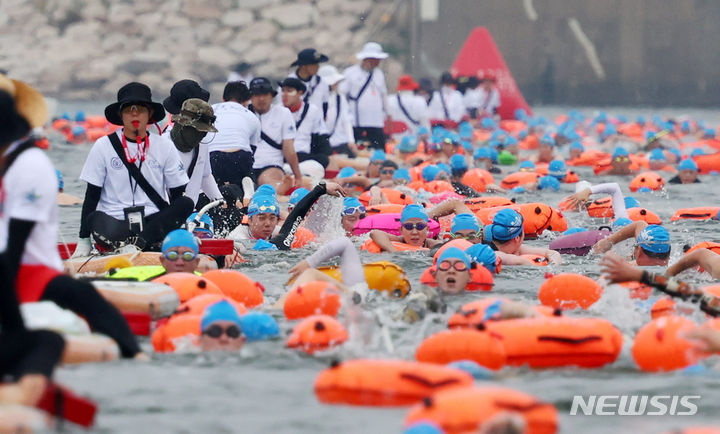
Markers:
410,226
457,265
215,331
174,255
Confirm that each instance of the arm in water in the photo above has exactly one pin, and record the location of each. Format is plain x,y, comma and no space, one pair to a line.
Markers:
612,188
350,265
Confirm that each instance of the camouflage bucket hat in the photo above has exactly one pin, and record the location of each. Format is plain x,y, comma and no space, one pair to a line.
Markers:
197,114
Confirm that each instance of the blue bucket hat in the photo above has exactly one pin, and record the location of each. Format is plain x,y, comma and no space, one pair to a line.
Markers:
407,144
655,239
687,164
263,204
223,310
507,224
464,221
527,164
622,221
378,155
481,153
458,162
180,238
351,205
413,211
631,202
548,183
298,195
484,255
403,174
454,253
657,155
346,172
265,189
620,152
558,169
257,326
430,172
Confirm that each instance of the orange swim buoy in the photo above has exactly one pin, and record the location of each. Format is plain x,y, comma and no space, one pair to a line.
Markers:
461,411
707,163
197,304
658,346
317,333
537,260
569,291
546,342
638,290
312,298
447,346
700,213
477,179
393,196
601,208
518,179
371,246
571,177
650,180
473,313
237,286
478,203
387,208
436,187
178,326
537,217
303,236
590,157
188,285
710,245
385,382
662,307
642,214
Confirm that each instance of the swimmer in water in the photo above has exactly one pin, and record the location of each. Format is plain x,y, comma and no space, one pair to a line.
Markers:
506,235
221,328
653,243
413,230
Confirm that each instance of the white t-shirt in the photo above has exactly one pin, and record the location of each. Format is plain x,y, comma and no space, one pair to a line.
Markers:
338,121
313,123
237,127
370,109
317,92
489,101
472,98
202,178
415,106
453,102
28,192
103,168
278,124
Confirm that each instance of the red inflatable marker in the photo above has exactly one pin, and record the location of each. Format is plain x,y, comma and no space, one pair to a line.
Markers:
479,56
63,403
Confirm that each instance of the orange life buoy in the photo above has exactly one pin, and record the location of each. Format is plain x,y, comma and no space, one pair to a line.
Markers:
188,285
485,349
93,134
601,208
571,177
536,217
643,214
473,313
708,163
387,208
477,179
460,411
371,246
312,298
477,203
569,291
197,304
537,260
385,382
700,213
589,158
659,345
393,196
438,187
303,236
178,326
710,245
317,333
650,180
237,286
518,179
663,307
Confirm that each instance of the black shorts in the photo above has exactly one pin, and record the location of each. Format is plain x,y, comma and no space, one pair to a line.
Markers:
231,167
376,136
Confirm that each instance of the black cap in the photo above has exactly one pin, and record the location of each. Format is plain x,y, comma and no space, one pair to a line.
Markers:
426,85
447,78
309,56
241,67
389,163
181,91
293,82
261,86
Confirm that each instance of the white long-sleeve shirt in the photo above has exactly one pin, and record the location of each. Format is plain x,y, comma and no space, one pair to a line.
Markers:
453,103
370,109
338,120
415,106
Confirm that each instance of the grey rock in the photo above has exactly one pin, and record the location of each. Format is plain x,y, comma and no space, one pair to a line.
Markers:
291,15
237,18
260,31
142,62
220,56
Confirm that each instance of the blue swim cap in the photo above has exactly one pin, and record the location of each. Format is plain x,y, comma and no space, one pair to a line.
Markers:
467,145
423,427
494,155
558,169
601,117
346,172
264,245
520,114
61,183
507,224
548,183
352,202
697,151
298,195
483,255
265,189
631,202
429,173
623,221
685,126
547,140
258,326
572,136
654,238
465,130
407,144
687,164
457,161
206,224
621,118
451,137
498,135
481,153
709,133
574,231
413,211
477,371
422,131
640,120
657,155
454,253
464,221
223,310
263,204
487,124
522,134
402,174
644,190
527,164
66,116
620,152
609,130
80,116
378,155
577,145
78,130
510,141
179,238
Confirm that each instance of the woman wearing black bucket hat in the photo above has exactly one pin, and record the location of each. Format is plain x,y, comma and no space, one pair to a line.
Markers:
128,175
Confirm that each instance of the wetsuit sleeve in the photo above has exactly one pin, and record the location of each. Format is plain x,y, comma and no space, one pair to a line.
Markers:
92,198
618,199
464,190
284,239
10,318
351,267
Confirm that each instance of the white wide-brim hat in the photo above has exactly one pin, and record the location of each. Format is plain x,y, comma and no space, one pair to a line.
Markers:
372,50
330,74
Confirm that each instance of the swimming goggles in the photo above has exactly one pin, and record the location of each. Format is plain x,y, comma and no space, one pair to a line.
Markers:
622,159
266,208
354,209
215,331
387,172
419,226
446,265
174,255
477,234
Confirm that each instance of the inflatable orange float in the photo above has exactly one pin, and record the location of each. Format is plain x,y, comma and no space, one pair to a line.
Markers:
317,333
165,337
569,291
662,307
447,346
188,285
237,286
477,203
477,179
393,196
371,246
310,299
643,214
601,208
387,208
519,179
649,180
700,213
659,346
